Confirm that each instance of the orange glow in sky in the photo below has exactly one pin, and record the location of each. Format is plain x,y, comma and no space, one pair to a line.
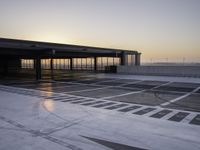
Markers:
159,29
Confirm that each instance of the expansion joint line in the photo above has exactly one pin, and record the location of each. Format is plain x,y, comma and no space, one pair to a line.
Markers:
40,134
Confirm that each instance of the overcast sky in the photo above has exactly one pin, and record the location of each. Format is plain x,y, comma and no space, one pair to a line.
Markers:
160,29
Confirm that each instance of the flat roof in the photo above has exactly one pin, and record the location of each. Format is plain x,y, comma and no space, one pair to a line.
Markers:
21,45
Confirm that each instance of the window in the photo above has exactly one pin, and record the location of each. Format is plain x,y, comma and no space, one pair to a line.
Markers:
131,60
27,63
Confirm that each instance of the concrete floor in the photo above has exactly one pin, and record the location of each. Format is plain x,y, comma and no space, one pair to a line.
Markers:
137,109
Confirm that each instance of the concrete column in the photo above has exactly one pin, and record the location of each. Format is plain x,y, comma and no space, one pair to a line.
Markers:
123,59
38,68
4,66
95,63
51,67
137,59
71,64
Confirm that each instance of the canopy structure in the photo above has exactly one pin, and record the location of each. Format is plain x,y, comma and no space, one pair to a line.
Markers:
13,51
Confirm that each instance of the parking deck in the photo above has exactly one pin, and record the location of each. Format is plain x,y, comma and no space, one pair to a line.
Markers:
173,101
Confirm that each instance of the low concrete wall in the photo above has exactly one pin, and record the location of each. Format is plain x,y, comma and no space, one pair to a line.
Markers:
183,71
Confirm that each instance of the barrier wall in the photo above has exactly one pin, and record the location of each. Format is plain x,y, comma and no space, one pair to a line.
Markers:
183,71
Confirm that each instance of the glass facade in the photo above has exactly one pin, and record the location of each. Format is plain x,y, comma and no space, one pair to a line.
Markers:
107,61
45,63
77,63
27,63
83,63
61,64
58,64
131,60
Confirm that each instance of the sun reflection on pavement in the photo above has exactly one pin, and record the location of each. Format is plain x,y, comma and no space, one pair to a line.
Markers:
49,105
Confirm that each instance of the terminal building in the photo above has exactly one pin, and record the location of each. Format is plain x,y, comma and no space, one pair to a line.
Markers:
21,57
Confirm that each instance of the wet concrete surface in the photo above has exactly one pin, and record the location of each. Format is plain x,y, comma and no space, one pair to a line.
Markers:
145,84
189,103
152,98
59,120
122,90
179,87
104,92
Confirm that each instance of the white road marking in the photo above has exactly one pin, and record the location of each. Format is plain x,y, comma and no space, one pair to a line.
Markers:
166,117
161,85
153,112
189,118
58,87
134,82
134,92
179,98
88,89
96,83
125,94
137,109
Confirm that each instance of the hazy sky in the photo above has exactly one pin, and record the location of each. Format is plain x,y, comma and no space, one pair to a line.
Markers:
160,29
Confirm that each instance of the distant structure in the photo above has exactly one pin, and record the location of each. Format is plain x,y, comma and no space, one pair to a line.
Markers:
34,58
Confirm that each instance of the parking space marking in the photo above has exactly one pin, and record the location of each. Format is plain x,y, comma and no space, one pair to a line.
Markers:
161,113
164,84
63,98
125,94
109,80
179,98
144,111
116,106
189,117
85,90
127,109
134,92
59,97
94,84
104,104
58,87
93,103
154,112
134,82
82,101
196,120
179,116
72,99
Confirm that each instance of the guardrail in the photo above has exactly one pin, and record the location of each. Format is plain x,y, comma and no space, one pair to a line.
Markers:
182,71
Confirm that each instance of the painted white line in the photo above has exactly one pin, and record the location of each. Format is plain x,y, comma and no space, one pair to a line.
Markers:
94,84
9,89
59,87
88,90
152,112
134,82
125,94
77,83
161,85
69,99
103,102
189,118
166,117
105,81
137,109
119,108
179,98
135,92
